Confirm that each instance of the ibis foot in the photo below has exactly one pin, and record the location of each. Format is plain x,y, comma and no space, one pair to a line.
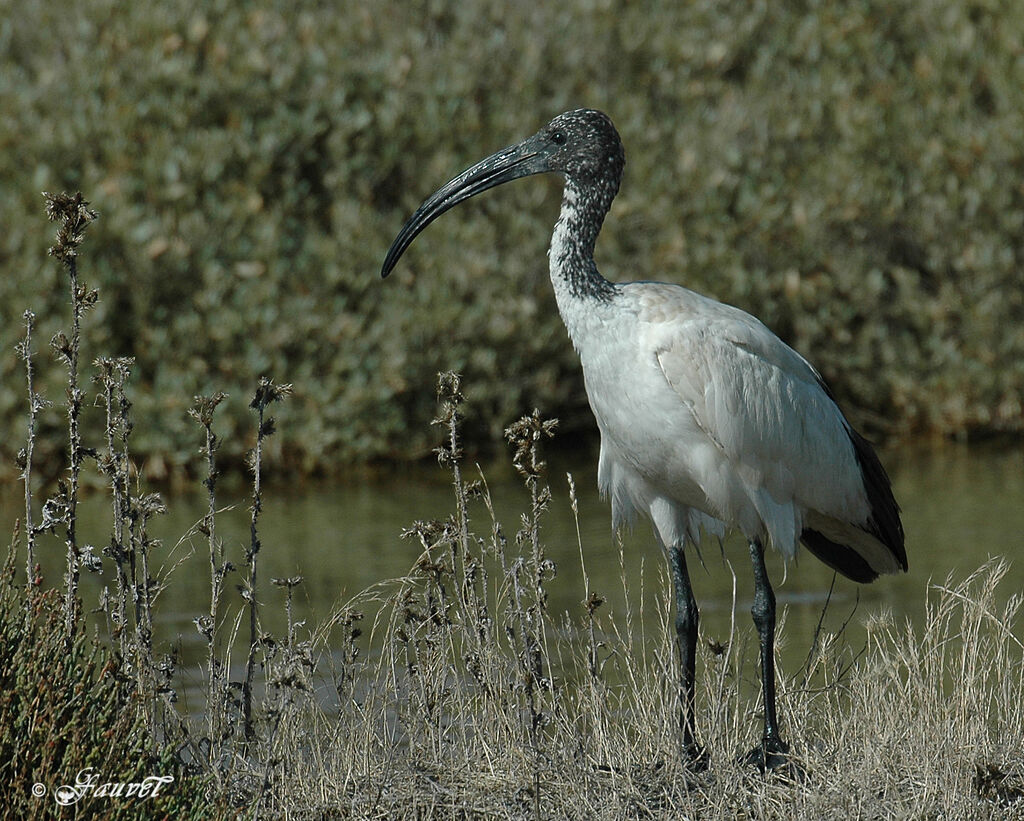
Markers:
772,754
696,758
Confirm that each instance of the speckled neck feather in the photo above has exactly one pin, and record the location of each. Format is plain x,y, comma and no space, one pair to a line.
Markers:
571,256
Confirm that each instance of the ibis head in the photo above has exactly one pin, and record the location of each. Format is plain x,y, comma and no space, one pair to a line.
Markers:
581,145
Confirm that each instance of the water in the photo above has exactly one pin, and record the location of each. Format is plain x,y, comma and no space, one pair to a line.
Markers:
961,505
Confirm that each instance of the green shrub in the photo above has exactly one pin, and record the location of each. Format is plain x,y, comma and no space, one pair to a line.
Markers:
66,707
850,173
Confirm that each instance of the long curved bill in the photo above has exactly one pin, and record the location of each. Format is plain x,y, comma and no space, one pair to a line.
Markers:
509,164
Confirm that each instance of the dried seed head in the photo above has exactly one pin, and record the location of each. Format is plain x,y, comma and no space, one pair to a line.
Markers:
90,561
525,436
449,387
268,392
88,297
61,346
203,407
74,215
55,512
151,504
204,624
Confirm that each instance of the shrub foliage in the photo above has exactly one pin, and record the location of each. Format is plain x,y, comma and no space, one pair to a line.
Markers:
851,173
68,710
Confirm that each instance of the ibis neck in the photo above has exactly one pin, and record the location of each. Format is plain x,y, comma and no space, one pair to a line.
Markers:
571,256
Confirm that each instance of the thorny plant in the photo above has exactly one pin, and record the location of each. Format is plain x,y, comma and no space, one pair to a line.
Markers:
448,610
36,403
279,723
153,679
73,215
526,436
112,375
217,730
130,543
266,394
129,609
246,742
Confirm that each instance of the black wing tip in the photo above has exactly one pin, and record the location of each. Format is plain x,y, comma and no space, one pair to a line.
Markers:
884,522
839,557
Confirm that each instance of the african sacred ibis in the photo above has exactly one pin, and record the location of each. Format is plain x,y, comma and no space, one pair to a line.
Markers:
708,420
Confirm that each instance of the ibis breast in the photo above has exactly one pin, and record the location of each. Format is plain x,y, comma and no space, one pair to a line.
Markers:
708,419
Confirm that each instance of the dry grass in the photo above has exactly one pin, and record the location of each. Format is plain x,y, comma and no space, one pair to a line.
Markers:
467,698
925,724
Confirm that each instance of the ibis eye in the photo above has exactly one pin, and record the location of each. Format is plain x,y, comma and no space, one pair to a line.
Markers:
558,137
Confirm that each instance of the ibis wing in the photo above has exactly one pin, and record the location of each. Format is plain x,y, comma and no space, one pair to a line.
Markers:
767,411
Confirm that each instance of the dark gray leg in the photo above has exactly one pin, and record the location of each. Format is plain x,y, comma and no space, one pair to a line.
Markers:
771,752
687,618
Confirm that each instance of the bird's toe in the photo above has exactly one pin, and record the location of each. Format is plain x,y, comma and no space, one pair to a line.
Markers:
696,758
772,755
